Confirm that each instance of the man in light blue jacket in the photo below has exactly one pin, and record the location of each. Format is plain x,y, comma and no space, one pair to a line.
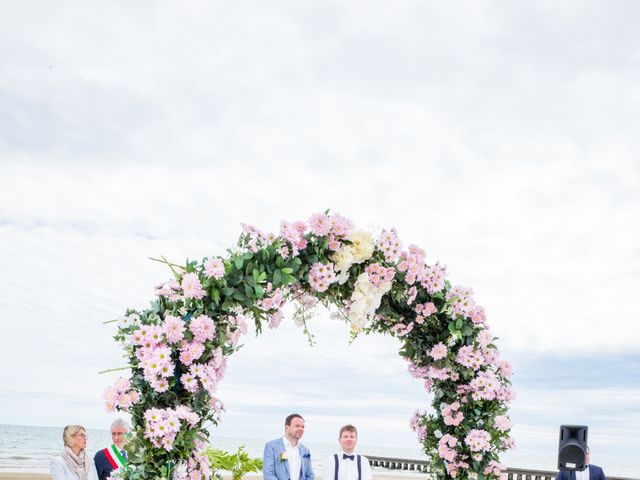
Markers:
285,458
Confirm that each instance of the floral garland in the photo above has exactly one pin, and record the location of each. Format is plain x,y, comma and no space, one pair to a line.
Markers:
178,348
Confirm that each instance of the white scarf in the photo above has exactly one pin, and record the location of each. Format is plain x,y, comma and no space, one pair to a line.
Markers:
77,463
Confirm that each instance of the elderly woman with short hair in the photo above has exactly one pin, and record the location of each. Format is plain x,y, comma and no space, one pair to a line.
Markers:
73,463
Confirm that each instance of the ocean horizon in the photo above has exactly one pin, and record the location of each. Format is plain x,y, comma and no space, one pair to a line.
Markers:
28,448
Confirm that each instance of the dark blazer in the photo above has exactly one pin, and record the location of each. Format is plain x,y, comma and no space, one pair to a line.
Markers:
595,473
103,466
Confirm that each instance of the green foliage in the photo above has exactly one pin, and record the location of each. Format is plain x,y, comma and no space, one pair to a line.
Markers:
239,463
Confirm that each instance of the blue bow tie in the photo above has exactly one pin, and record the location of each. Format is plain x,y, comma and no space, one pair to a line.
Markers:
350,457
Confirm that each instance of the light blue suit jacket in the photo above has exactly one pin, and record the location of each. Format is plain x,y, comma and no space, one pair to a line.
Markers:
274,469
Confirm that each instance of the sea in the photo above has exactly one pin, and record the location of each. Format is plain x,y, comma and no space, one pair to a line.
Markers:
30,448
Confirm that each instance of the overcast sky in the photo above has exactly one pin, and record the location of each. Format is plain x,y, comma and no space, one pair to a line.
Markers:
502,137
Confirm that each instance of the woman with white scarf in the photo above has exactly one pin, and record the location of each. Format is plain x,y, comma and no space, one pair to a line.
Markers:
73,463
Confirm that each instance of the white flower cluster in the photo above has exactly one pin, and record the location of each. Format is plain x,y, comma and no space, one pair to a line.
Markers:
359,250
365,300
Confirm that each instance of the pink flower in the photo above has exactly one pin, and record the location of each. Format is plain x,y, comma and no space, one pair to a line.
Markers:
411,295
494,468
320,224
502,423
340,226
214,268
438,352
390,245
321,276
275,319
433,278
191,286
426,309
203,328
469,357
173,329
504,367
478,440
189,382
379,274
451,414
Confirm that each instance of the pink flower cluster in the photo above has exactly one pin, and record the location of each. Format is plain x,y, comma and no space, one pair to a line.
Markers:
433,278
379,274
334,226
478,440
402,330
415,371
120,395
485,386
191,286
416,425
293,233
214,268
199,465
321,276
469,357
206,376
494,468
412,263
255,237
452,415
389,244
272,305
446,447
162,425
424,310
158,367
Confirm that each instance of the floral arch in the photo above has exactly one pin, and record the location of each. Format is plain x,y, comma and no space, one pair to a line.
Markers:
178,348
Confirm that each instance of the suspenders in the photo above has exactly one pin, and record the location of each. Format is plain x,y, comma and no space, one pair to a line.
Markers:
337,463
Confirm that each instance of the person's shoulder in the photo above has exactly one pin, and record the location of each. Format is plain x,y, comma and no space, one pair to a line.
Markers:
99,454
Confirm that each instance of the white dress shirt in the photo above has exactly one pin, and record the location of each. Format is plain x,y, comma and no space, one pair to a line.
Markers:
293,457
347,469
583,475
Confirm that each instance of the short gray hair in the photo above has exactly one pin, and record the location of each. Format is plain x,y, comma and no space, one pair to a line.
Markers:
119,423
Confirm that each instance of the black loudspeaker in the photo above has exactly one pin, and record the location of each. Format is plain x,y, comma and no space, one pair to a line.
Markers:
572,448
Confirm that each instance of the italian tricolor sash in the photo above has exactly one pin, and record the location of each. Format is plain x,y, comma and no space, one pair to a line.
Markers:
115,457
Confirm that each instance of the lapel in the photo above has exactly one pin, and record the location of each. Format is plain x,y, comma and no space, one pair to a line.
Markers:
286,463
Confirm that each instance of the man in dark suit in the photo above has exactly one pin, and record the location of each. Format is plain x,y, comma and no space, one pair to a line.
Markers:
285,458
592,472
114,456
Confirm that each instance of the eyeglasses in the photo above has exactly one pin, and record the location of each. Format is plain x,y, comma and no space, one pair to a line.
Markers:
118,434
83,435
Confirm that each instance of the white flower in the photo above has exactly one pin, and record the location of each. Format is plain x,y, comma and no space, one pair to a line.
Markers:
359,250
362,245
365,300
437,434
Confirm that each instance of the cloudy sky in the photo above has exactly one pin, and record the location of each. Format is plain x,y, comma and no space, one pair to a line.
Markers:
499,136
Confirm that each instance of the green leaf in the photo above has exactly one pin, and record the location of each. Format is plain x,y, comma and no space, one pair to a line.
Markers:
467,331
277,278
458,324
287,270
238,262
259,291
